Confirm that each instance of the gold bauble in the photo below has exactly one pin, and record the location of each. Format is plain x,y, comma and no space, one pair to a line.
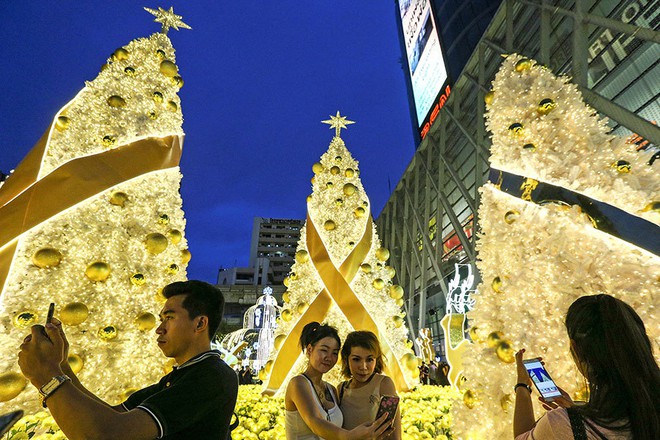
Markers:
339,203
286,281
529,147
366,268
329,185
286,297
116,101
398,321
523,64
622,166
652,207
62,123
469,398
399,302
475,335
378,283
120,54
286,315
177,81
47,257
409,343
349,189
382,254
302,256
74,313
329,225
145,321
268,366
172,269
349,172
516,128
172,106
185,256
11,385
279,340
511,216
494,339
505,402
396,292
335,170
108,141
75,362
25,319
152,115
309,198
158,97
175,236
98,271
107,333
317,168
359,212
164,219
168,68
337,158
390,271
496,284
160,53
118,198
302,307
130,71
488,97
105,66
159,296
410,361
138,279
505,352
156,243
546,106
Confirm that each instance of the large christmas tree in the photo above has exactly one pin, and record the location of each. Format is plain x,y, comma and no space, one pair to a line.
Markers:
570,210
91,220
340,276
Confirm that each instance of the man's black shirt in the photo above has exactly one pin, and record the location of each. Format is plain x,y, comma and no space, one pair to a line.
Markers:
195,401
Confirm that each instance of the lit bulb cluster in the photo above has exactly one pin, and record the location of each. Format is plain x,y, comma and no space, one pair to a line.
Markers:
338,196
115,342
536,260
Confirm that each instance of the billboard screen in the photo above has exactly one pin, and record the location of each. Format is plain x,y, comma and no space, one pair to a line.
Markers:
426,64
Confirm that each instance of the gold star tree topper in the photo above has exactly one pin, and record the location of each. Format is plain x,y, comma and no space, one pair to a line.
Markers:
338,122
167,18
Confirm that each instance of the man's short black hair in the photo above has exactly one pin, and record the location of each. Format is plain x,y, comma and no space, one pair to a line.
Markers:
201,299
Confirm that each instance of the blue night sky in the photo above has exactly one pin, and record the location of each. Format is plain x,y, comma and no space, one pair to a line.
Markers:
259,77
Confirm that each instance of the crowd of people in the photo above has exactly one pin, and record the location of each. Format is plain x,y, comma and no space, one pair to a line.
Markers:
608,343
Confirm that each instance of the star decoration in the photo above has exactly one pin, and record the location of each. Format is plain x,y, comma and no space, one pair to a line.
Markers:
167,18
338,122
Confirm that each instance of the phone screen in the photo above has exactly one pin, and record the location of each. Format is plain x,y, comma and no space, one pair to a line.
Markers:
8,420
388,404
542,380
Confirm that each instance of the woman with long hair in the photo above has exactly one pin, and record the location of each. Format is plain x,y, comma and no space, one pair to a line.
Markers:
359,396
609,345
312,408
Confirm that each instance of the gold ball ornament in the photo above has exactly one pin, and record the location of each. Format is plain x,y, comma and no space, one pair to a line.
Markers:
98,271
349,172
339,203
329,184
349,189
268,366
107,333
152,115
172,269
523,64
469,398
317,168
164,219
160,53
158,97
398,321
309,199
505,352
286,315
505,402
279,340
156,243
11,385
329,225
286,297
302,256
359,212
74,313
75,362
118,198
516,128
25,319
62,123
622,166
335,170
390,271
494,339
172,106
410,361
337,158
145,321
286,281
168,68
652,207
302,308
312,180
104,67
108,141
175,236
130,71
496,284
177,81
138,279
546,106
396,292
475,334
529,147
116,101
47,257
511,216
185,256
378,283
383,254
399,302
488,97
366,268
409,343
120,54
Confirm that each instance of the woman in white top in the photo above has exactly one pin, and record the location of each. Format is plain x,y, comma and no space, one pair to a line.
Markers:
312,411
610,347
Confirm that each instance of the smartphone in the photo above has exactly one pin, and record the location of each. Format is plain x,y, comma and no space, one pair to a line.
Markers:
51,311
388,404
8,420
542,380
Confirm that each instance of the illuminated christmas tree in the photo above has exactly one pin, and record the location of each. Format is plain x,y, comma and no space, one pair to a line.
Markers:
92,221
570,210
340,275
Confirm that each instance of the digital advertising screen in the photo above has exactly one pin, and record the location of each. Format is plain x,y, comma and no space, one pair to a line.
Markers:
426,64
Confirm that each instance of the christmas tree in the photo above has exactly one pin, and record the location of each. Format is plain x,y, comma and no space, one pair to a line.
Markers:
570,210
92,221
340,275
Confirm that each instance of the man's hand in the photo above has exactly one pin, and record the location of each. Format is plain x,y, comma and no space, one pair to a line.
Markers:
41,355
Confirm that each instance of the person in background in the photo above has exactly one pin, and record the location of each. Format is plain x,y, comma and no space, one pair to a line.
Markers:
433,373
609,345
359,396
312,409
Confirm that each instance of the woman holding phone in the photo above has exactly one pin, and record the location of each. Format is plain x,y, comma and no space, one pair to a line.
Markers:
312,408
609,345
360,395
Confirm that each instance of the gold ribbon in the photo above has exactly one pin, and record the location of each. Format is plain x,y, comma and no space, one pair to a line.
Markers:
26,202
337,288
455,345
